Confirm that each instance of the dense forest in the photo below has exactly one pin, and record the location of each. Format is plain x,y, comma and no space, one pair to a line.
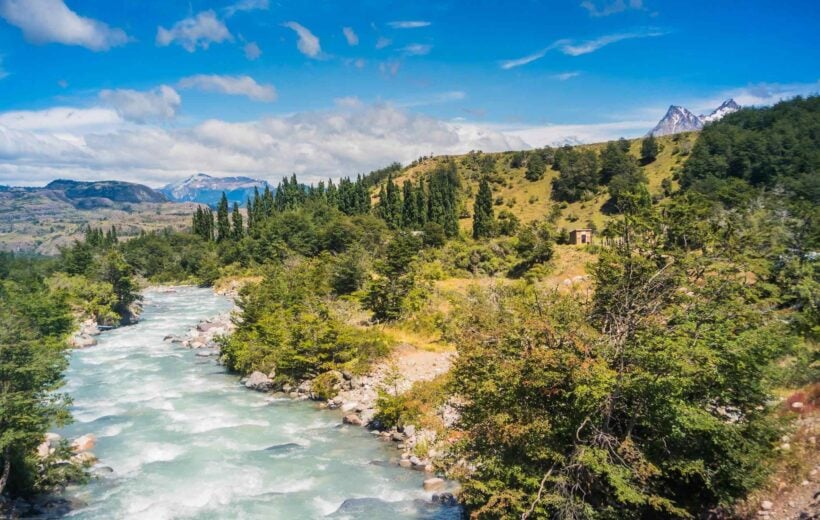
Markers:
652,396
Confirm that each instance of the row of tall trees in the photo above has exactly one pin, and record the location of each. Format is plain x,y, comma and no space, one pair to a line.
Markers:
433,199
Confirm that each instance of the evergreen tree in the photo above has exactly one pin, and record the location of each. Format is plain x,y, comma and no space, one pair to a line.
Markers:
483,218
237,231
223,223
409,218
649,149
535,167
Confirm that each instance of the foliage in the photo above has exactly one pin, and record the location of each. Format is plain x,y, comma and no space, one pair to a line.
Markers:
33,326
483,218
287,325
579,174
649,149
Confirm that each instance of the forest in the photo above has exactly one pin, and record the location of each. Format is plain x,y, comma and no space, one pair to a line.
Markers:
655,394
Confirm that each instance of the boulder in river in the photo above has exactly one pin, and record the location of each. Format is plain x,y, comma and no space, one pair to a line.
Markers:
84,443
259,382
434,484
352,419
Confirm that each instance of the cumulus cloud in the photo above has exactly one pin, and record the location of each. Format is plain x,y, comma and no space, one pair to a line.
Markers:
198,31
231,85
308,43
383,42
408,24
51,21
246,5
351,36
252,51
351,138
579,48
159,103
609,8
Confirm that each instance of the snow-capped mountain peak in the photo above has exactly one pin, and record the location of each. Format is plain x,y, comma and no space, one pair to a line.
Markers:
208,189
677,119
727,107
680,119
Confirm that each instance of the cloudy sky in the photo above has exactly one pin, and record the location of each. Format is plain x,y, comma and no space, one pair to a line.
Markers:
153,91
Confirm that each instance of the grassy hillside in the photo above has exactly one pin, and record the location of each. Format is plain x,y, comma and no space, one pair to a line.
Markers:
530,200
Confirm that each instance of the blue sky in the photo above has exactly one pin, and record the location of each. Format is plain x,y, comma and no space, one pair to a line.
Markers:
155,90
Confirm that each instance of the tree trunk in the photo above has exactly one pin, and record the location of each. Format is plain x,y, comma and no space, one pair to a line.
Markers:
6,469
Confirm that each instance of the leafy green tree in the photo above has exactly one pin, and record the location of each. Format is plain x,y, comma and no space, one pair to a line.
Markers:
385,295
579,174
32,360
535,167
614,161
630,192
650,402
649,149
117,272
483,218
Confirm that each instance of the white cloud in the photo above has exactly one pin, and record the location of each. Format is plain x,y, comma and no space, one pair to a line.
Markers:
231,85
563,76
510,64
246,5
390,68
252,51
608,8
552,135
759,94
408,24
573,48
51,21
417,49
198,31
351,36
352,138
308,43
159,103
434,99
383,42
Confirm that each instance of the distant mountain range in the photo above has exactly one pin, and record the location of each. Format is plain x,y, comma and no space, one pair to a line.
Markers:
88,195
680,119
208,190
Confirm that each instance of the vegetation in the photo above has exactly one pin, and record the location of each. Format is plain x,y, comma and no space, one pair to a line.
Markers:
642,389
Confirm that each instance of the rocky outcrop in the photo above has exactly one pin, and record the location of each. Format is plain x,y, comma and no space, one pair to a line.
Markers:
206,333
259,382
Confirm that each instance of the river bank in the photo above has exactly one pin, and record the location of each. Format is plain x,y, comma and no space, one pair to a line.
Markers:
182,438
356,395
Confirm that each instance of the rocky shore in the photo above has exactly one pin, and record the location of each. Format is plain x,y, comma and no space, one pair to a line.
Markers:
355,397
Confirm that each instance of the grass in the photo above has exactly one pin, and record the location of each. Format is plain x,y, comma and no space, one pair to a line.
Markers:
532,200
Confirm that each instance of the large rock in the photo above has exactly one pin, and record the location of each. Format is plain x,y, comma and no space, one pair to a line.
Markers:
84,443
352,419
82,341
434,484
259,382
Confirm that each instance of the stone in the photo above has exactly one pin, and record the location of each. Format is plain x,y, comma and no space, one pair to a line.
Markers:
346,407
287,387
85,457
53,438
84,443
397,436
415,461
259,382
797,406
434,484
766,505
410,430
405,463
352,419
82,341
445,499
43,450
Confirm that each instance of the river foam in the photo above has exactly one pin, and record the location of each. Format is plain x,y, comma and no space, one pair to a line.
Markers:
185,440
